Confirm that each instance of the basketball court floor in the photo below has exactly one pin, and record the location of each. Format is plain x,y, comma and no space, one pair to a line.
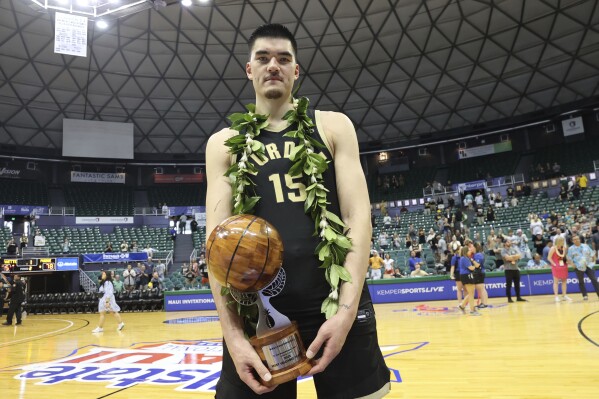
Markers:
540,349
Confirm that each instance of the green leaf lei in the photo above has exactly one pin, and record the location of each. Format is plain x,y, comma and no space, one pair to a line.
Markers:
335,244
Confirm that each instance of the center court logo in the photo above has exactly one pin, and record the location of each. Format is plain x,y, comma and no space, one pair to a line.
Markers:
187,366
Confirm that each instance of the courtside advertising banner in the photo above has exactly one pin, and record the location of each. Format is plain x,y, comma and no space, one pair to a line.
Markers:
104,220
175,303
108,257
93,177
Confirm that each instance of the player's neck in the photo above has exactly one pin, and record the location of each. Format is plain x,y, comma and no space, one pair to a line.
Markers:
275,109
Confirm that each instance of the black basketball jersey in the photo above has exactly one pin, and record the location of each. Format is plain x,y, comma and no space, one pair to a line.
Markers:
282,204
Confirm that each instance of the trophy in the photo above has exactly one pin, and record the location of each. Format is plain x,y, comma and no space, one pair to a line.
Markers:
245,254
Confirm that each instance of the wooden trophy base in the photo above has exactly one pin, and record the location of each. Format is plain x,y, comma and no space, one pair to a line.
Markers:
283,353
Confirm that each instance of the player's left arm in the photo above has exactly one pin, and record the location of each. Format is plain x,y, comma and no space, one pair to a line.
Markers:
355,213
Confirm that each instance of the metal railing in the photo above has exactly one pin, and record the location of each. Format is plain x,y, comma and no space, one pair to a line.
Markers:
61,211
148,211
165,257
35,252
86,282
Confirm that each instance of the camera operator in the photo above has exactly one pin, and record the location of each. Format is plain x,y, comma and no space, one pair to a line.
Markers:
17,296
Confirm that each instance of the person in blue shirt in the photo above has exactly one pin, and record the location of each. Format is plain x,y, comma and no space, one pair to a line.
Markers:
454,274
478,260
582,257
416,266
467,269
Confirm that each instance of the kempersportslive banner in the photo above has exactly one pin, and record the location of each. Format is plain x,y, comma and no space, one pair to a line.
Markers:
115,257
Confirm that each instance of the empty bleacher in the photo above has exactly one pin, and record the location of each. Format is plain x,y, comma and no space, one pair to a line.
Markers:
414,182
573,158
177,194
21,192
497,165
91,240
100,199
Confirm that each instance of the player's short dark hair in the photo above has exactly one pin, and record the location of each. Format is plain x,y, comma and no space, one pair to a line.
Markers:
272,30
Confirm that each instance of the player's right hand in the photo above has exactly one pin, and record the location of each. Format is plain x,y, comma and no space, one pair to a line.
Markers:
246,361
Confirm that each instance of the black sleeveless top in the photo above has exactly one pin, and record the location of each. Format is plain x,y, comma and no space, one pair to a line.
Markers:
281,203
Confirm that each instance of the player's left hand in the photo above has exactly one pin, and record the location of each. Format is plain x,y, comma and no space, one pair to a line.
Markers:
332,335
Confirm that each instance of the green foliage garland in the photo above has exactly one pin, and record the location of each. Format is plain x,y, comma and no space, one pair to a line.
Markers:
335,244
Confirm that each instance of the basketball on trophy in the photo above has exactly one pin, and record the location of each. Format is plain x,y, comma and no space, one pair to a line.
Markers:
244,252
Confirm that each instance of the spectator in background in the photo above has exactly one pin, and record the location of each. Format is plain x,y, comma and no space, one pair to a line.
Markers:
511,255
522,242
66,246
412,233
595,240
190,275
514,202
108,247
156,282
546,250
387,221
149,251
510,192
478,200
182,223
11,247
556,169
133,247
129,278
376,264
536,226
143,277
390,270
23,242
39,240
160,268
165,209
582,257
537,263
416,266
582,181
396,241
441,248
193,225
124,246
173,233
118,284
203,269
539,243
383,241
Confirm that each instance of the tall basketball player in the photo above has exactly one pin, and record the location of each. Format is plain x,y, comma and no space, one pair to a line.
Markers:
348,361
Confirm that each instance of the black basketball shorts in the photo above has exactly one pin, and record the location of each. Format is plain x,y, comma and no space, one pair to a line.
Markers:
359,369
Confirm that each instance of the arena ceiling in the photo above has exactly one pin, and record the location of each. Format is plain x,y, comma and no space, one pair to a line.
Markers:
399,69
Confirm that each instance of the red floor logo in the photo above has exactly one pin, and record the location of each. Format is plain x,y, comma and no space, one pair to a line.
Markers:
186,365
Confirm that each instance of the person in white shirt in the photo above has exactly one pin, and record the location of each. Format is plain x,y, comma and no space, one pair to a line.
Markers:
387,221
536,226
479,199
522,243
129,278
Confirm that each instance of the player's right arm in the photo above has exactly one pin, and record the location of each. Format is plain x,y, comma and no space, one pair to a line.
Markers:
218,208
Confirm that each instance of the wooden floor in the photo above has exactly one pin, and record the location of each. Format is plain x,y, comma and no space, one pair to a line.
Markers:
540,349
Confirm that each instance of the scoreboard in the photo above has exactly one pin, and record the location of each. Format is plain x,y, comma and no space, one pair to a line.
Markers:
12,265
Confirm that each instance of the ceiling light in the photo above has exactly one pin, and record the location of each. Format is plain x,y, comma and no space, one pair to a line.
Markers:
102,24
186,3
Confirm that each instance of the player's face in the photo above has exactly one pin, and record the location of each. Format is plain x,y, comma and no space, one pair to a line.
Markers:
272,68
